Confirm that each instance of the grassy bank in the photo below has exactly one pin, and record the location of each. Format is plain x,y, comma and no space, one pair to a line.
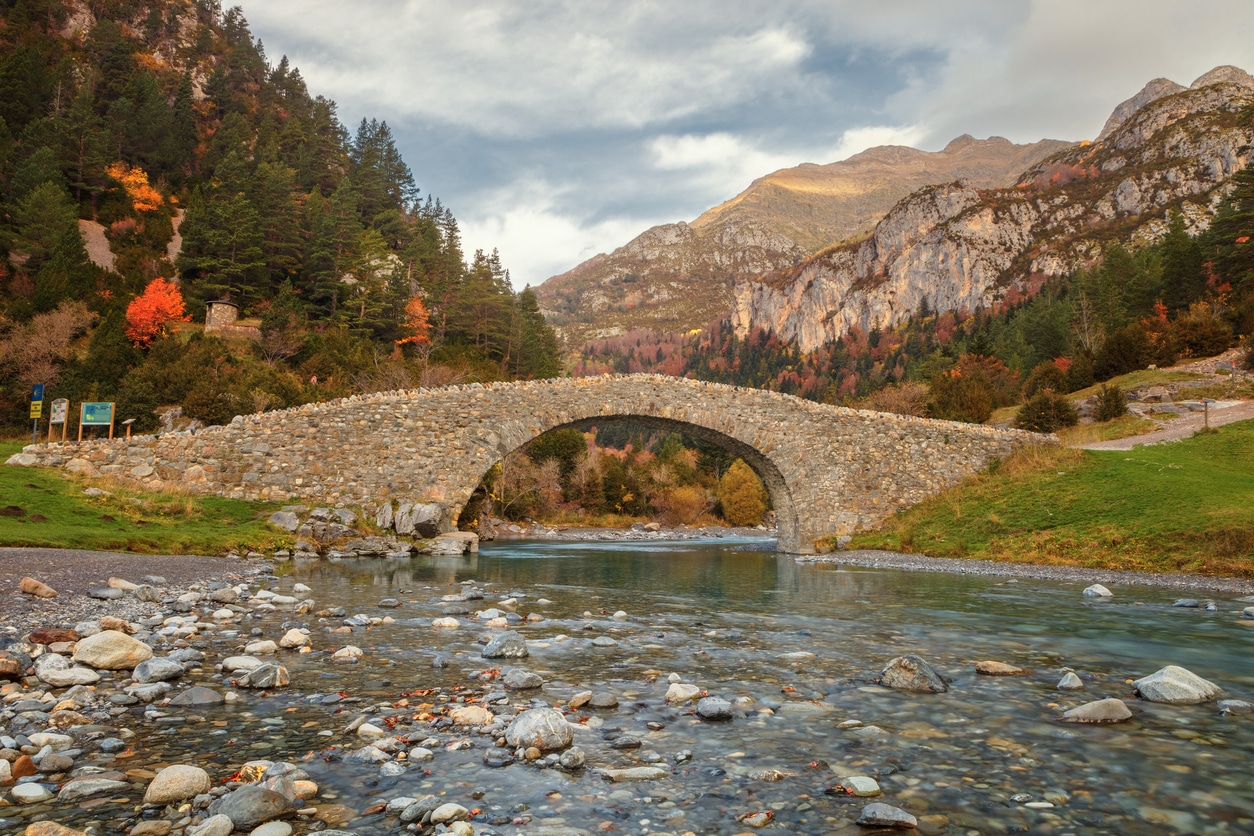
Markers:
1183,507
46,508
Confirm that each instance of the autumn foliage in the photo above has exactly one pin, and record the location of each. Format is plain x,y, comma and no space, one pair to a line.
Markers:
417,323
135,180
148,314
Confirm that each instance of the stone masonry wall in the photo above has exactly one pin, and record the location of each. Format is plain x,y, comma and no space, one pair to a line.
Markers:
829,470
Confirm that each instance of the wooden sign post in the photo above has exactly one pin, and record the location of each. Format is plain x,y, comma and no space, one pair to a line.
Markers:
95,415
60,415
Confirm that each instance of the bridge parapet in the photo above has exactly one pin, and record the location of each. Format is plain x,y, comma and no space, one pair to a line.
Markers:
829,470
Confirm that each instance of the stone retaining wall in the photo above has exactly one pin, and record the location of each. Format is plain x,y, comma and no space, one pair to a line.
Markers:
830,470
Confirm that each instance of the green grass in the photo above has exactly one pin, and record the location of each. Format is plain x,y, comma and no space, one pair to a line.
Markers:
1184,507
40,507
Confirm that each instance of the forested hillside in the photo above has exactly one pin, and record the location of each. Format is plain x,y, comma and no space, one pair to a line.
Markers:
147,140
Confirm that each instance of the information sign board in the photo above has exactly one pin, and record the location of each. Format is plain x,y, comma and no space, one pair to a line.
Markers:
97,414
37,392
36,409
60,410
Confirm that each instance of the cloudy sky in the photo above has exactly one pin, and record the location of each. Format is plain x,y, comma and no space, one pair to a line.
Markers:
557,129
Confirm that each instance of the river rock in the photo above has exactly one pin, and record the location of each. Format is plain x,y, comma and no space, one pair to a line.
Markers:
250,806
52,635
1070,682
218,825
885,815
1235,707
177,782
157,670
449,812
471,715
197,696
50,828
272,828
636,773
30,793
1098,591
73,791
912,673
57,671
424,519
348,653
293,639
603,700
573,758
507,645
714,708
264,647
680,693
286,520
997,669
111,650
1175,685
544,728
861,785
446,622
1110,710
266,676
235,664
520,680
39,589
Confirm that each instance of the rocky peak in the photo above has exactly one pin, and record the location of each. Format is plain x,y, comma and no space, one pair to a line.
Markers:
1225,74
1153,91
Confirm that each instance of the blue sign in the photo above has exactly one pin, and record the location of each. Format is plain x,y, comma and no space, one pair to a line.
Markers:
37,392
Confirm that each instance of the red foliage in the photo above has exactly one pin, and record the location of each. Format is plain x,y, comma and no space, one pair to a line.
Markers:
417,322
1063,364
148,314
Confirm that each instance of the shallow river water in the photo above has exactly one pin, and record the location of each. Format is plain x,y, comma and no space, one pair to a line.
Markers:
800,642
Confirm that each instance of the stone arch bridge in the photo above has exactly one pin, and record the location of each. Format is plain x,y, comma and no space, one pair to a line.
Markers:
829,470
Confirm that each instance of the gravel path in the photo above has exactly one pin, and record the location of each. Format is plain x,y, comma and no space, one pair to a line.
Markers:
71,572
1179,428
921,563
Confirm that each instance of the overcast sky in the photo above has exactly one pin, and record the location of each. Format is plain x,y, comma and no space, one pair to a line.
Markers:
557,130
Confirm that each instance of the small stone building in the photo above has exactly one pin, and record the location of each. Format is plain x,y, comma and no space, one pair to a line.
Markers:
220,314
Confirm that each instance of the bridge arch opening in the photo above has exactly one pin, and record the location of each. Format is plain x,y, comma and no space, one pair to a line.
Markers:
786,516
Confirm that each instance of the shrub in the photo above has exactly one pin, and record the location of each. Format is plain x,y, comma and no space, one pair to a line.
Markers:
1080,375
908,398
1111,403
1126,350
1046,412
1247,361
742,496
1046,377
1199,332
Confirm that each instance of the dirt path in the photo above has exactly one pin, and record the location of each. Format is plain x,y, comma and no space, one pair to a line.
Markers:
1180,428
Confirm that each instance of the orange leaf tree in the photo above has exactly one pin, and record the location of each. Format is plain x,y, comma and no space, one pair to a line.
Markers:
416,321
135,180
148,314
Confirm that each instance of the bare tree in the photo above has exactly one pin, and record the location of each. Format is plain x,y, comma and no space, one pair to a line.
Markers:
34,352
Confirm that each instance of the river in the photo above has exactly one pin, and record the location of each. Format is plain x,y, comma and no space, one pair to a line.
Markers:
786,643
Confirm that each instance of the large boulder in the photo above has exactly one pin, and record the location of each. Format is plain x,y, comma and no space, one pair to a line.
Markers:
111,650
544,728
250,806
1175,685
912,673
426,519
507,645
176,783
56,670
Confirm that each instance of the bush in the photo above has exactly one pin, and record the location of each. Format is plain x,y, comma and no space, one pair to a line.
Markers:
1046,377
1199,332
1247,361
742,495
1046,412
1126,350
1080,375
1111,403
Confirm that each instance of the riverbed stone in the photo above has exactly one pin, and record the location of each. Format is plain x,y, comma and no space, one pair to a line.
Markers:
636,773
886,815
216,825
265,676
1175,685
158,669
544,728
1070,682
272,828
507,645
520,680
250,806
1235,707
37,589
714,708
861,786
176,783
58,672
30,793
1097,591
111,650
235,664
679,693
471,715
50,828
293,639
912,673
991,668
1110,710
197,696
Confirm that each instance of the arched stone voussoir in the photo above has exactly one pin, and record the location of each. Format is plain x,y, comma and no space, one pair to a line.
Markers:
830,470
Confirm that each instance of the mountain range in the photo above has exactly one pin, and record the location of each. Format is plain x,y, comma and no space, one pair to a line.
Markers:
812,251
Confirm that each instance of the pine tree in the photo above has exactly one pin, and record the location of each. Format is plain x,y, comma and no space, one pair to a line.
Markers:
1184,270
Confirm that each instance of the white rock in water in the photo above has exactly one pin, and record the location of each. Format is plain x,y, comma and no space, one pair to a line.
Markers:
30,793
680,692
1098,591
1175,685
446,623
1099,711
261,648
293,638
1070,682
636,773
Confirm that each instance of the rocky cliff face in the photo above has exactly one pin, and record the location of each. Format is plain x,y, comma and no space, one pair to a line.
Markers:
681,276
957,247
